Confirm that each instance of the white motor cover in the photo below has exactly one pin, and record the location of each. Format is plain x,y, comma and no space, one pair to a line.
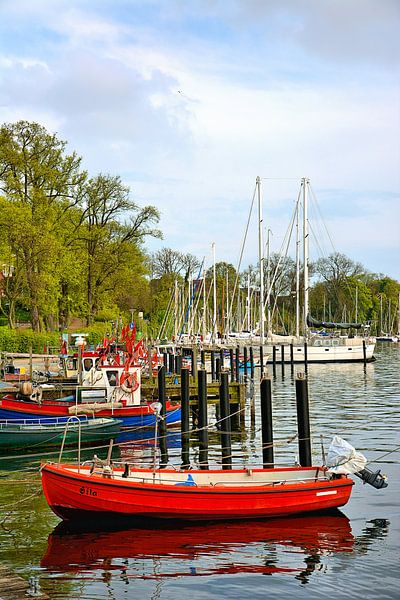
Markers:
343,459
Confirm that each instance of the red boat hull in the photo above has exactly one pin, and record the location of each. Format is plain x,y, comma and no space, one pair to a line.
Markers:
73,495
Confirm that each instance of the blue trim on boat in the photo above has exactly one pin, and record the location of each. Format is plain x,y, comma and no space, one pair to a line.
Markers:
145,420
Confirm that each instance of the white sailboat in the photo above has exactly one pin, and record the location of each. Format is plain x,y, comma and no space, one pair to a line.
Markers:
315,345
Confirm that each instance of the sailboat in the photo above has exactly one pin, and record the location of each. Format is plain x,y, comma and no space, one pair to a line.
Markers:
315,345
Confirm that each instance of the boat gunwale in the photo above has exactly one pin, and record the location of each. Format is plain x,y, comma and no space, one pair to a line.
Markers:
221,488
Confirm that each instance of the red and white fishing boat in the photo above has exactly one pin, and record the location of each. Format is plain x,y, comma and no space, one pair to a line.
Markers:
83,491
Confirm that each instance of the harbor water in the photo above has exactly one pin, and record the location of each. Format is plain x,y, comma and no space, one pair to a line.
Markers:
352,553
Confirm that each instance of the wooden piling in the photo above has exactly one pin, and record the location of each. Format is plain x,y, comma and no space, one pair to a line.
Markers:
245,362
266,423
303,420
217,368
226,447
237,359
203,419
185,415
231,364
162,425
212,358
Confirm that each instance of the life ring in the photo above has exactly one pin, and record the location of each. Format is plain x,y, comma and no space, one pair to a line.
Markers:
129,382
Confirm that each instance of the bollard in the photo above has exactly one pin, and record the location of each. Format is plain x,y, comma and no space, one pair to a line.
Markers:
266,423
162,426
364,352
203,419
225,425
245,362
283,354
291,356
273,355
185,413
305,356
303,421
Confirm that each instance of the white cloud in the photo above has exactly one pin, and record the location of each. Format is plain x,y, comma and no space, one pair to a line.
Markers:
189,102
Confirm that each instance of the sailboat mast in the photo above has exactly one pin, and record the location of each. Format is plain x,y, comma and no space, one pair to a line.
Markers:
260,258
297,271
269,325
204,330
305,183
214,329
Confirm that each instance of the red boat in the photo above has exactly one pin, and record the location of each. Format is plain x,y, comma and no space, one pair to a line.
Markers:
84,491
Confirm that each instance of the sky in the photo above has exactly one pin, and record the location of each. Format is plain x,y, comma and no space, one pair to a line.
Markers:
188,101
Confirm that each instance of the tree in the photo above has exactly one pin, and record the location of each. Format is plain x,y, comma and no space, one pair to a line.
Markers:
40,182
107,241
336,271
167,261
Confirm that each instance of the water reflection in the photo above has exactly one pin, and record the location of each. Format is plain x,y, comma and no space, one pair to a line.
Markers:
265,547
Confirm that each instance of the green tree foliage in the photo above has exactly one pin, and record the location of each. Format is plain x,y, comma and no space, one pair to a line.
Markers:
39,181
110,245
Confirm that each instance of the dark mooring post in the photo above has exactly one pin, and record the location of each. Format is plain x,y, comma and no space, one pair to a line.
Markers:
217,368
178,364
266,423
162,425
237,372
212,358
203,359
364,352
171,363
261,362
221,359
274,360
231,363
305,356
226,447
283,354
291,356
251,363
203,419
303,420
245,362
185,415
193,358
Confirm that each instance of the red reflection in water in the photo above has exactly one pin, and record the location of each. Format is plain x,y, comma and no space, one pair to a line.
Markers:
227,546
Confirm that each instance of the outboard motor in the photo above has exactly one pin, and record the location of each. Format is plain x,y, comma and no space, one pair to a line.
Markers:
376,479
344,459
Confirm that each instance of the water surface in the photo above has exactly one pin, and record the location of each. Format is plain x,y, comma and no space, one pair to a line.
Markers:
353,553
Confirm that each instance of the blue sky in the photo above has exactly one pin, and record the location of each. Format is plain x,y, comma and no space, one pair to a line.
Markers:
189,100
